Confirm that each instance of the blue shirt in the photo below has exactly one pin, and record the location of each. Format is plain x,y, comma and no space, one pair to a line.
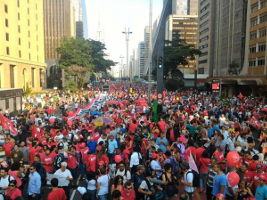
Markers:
261,193
92,146
34,183
123,130
218,181
210,132
162,146
112,145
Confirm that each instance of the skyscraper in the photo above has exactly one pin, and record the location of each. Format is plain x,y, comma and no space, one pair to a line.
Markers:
22,45
146,41
141,59
185,7
78,17
85,22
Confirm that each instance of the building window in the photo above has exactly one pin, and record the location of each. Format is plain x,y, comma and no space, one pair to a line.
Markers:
7,36
204,24
28,11
37,48
19,42
203,46
252,63
18,16
36,6
36,17
262,47
200,70
19,28
205,8
6,9
253,21
204,39
261,62
262,32
36,37
29,44
12,80
40,74
263,18
28,22
254,7
6,22
20,53
253,35
29,56
7,50
18,3
36,27
202,2
33,77
204,16
263,3
203,54
37,58
29,34
204,31
252,49
202,61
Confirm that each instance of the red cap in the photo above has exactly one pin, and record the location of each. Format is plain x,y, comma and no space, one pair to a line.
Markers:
180,139
81,137
82,145
92,138
101,162
154,156
219,195
262,177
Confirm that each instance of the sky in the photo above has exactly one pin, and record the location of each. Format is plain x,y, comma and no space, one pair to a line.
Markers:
114,16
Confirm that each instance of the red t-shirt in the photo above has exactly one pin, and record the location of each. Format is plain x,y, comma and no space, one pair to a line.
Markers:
132,127
204,162
91,162
58,194
7,148
187,152
220,158
72,161
131,196
16,193
248,176
48,159
84,154
33,152
104,158
252,166
256,179
199,152
162,125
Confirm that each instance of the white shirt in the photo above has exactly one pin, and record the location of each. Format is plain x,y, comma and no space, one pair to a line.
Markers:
145,187
188,178
104,182
125,177
155,164
91,184
59,136
135,159
101,139
231,144
4,182
64,174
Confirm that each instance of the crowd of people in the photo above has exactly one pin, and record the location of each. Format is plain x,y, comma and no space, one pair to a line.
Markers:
180,155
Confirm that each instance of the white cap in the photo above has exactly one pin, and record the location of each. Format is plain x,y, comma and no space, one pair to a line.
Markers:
81,190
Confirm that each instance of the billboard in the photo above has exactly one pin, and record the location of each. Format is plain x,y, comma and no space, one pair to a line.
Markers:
216,85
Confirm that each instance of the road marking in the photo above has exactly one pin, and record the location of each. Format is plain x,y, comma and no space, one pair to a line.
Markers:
74,191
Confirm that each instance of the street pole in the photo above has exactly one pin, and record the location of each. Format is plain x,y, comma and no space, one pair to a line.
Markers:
127,37
121,57
150,51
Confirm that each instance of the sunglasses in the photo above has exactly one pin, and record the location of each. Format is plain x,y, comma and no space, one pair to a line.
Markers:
129,188
31,168
11,185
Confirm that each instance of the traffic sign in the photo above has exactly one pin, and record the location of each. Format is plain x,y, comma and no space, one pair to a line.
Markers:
160,101
159,96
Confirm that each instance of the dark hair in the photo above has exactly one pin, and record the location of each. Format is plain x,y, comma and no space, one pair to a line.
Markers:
15,166
103,171
205,154
14,182
245,164
168,153
256,157
5,169
37,156
167,166
90,176
116,180
116,194
127,184
54,182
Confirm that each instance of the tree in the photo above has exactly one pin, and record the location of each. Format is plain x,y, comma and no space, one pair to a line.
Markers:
28,90
81,56
176,53
234,68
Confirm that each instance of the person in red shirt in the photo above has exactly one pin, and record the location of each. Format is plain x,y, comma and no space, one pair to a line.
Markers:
248,175
47,160
128,193
256,175
73,163
91,162
56,193
199,151
252,166
191,149
132,126
7,148
220,157
203,163
162,125
33,151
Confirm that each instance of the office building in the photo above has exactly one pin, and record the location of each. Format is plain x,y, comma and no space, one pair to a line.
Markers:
22,45
185,7
146,41
77,4
85,22
140,65
59,23
79,29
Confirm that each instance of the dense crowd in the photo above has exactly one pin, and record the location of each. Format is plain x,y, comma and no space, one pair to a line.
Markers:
182,154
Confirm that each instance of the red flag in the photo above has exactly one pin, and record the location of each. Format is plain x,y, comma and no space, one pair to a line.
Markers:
109,81
35,133
8,124
255,123
164,94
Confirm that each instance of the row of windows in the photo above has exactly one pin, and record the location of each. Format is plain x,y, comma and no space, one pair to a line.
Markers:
204,31
263,18
202,61
254,35
8,53
261,62
255,6
253,49
205,8
203,54
204,39
203,46
202,2
204,24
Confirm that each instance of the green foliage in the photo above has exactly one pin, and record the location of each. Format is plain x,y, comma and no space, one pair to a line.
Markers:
28,90
53,82
234,68
81,56
92,77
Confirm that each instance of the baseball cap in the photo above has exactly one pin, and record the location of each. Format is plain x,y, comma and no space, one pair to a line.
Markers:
219,195
154,155
81,190
259,166
81,137
262,177
82,144
185,165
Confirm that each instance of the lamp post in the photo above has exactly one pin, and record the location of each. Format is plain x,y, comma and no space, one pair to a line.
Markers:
121,57
127,37
150,51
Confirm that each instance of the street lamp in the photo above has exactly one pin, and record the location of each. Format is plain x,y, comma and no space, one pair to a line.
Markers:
127,37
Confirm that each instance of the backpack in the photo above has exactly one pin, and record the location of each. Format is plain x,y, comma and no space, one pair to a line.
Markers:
155,196
170,188
42,172
195,177
58,160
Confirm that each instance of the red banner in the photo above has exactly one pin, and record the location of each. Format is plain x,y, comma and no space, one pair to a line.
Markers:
255,123
8,124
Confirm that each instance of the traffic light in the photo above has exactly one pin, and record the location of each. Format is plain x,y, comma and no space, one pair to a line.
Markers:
160,63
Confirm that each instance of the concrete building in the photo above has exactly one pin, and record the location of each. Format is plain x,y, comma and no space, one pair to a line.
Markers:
85,22
22,45
185,7
77,4
146,41
59,23
140,66
79,29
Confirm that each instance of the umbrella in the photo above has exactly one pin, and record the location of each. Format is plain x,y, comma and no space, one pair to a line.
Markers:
113,102
100,121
